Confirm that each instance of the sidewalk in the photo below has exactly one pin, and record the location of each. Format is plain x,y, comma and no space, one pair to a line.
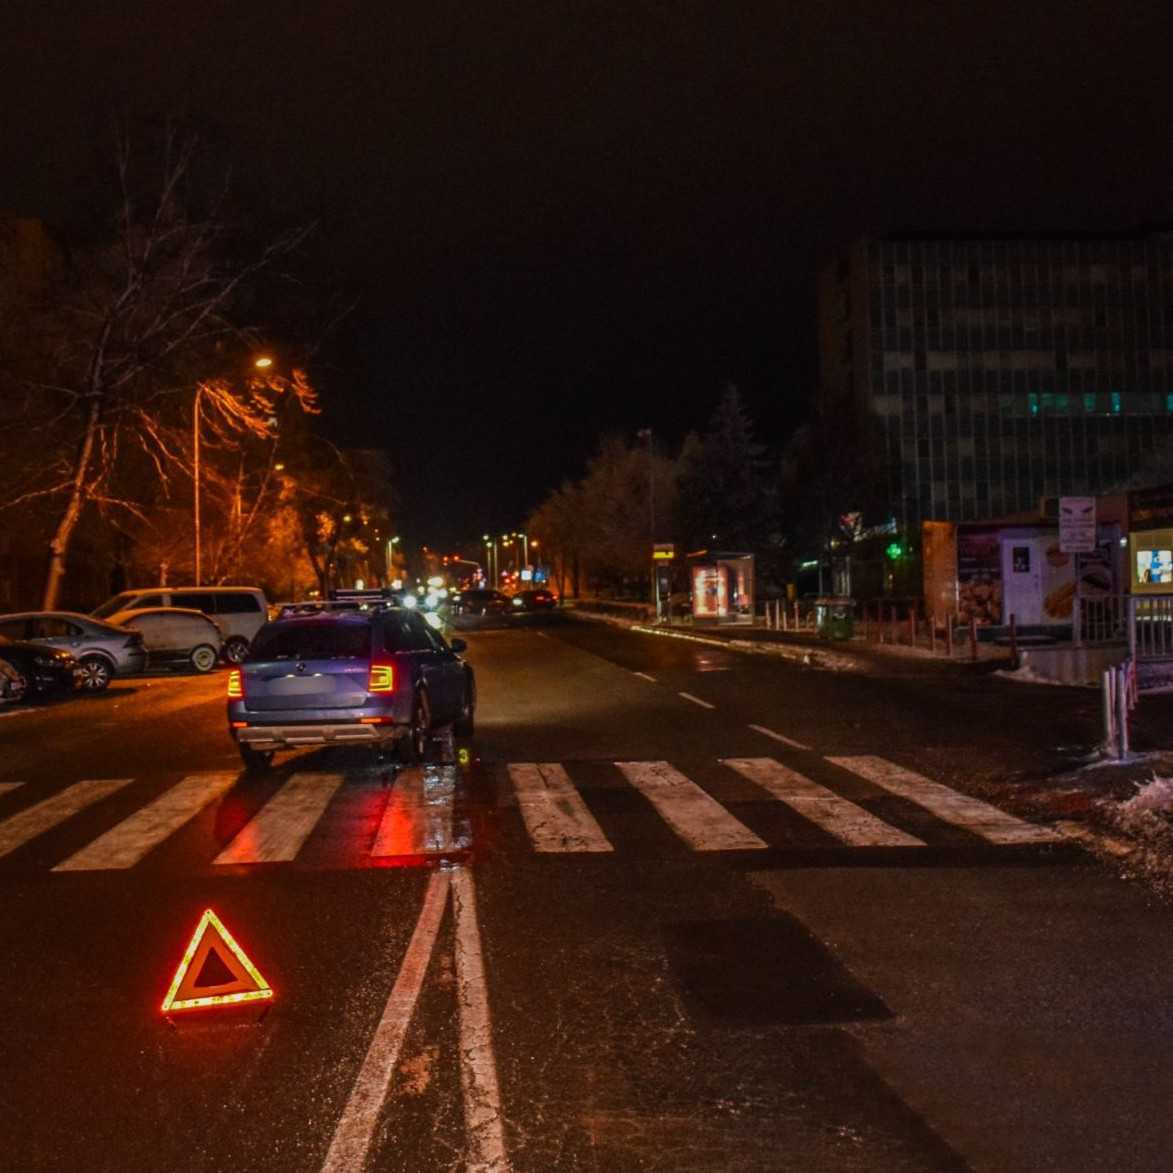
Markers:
852,655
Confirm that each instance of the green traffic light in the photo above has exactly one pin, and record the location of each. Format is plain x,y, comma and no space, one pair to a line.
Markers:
894,551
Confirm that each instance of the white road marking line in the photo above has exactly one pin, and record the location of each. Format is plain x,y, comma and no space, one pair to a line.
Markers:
125,844
779,737
696,700
645,676
360,1118
279,829
478,1067
418,817
555,814
843,819
947,804
36,820
712,669
5,787
694,814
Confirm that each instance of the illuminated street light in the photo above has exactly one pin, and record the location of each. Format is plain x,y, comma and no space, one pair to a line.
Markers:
279,467
263,362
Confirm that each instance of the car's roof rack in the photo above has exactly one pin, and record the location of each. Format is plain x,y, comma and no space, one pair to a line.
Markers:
328,606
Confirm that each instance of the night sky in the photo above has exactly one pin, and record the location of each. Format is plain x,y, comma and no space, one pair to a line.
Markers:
565,218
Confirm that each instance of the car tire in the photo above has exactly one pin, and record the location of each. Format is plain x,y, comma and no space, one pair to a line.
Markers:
98,673
414,747
465,724
255,760
203,659
236,649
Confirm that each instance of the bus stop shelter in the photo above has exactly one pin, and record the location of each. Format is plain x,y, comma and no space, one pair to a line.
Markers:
722,586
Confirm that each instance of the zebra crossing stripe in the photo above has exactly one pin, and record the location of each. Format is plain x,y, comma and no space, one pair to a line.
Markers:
278,830
555,814
696,817
947,804
125,844
843,819
36,820
418,817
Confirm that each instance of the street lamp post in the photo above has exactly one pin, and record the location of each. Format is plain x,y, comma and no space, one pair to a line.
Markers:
195,477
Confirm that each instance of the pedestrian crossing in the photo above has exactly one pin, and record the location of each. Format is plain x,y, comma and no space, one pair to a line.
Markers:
426,812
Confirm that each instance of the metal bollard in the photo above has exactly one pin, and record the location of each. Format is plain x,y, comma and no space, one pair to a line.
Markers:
895,628
1122,712
1109,699
912,624
1013,642
973,637
933,632
949,634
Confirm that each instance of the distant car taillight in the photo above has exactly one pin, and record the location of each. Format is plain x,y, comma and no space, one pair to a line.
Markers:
235,685
381,678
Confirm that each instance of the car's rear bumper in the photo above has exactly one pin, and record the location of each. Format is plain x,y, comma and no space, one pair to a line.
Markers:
329,733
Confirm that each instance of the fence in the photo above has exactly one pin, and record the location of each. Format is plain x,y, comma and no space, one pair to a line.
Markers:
1100,620
1150,627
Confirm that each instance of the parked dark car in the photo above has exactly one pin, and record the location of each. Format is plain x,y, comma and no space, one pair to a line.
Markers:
176,637
378,678
535,600
36,672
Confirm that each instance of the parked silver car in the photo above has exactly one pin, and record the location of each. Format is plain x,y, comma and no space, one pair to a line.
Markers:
238,611
176,637
101,649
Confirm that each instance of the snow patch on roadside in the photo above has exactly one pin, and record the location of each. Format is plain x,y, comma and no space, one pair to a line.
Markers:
1027,675
1154,795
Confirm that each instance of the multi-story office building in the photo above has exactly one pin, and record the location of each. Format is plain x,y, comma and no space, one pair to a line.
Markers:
995,372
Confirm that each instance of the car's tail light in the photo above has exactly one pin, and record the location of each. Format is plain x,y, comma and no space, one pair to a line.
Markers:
381,678
235,685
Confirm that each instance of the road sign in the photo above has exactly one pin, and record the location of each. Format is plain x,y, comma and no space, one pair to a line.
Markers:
215,971
663,551
1077,524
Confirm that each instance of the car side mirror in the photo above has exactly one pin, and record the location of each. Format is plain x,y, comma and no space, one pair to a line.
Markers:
458,646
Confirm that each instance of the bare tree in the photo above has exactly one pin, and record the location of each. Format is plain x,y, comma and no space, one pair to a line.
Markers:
139,323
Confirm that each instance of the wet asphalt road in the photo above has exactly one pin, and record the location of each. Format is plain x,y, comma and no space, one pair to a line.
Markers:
719,982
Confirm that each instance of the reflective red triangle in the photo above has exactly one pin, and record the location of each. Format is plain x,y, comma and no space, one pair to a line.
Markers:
245,984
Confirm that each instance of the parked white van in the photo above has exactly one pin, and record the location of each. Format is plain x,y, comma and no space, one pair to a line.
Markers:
238,611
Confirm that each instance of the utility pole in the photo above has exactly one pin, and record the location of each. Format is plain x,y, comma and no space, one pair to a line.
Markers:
195,447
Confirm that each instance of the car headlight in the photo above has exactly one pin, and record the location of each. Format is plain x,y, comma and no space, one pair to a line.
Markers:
519,602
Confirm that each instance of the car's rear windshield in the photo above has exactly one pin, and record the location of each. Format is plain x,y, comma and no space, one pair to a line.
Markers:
312,641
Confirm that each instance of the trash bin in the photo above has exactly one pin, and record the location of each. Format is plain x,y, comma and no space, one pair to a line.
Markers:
835,617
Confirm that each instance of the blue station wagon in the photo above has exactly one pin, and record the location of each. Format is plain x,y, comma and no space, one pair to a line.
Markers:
381,677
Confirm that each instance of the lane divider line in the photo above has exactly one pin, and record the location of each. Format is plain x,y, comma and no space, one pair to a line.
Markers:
696,700
360,1118
478,1066
779,737
644,676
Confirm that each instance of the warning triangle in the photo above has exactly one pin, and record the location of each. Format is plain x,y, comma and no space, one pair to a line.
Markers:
215,971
